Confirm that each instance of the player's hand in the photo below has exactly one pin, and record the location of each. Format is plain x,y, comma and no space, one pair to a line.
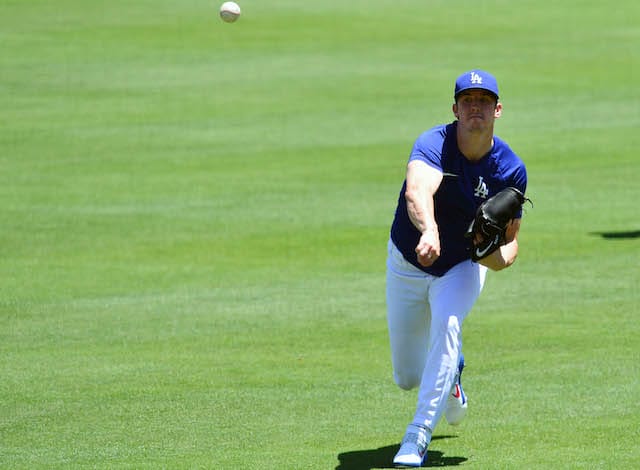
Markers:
479,238
428,249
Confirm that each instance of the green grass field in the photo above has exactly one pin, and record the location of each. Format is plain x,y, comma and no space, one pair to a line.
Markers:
195,216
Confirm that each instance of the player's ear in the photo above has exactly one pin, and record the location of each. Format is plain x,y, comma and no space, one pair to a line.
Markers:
498,111
454,108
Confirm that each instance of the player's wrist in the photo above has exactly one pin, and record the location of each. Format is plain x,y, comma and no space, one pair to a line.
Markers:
430,228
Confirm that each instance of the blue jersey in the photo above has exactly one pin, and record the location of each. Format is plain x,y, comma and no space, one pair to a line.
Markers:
465,185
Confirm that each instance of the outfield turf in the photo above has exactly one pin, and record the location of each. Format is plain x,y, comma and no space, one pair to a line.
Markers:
195,216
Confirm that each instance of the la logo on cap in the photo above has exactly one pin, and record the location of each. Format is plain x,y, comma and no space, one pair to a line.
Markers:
476,79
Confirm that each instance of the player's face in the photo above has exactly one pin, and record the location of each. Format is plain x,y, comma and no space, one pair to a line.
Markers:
476,109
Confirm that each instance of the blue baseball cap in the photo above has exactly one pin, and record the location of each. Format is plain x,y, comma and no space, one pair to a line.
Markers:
476,79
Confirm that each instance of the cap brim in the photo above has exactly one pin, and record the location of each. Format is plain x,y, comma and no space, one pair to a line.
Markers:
475,88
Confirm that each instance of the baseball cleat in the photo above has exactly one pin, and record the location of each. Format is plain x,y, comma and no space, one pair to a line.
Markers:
413,449
457,401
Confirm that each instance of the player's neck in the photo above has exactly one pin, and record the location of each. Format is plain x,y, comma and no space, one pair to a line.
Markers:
473,145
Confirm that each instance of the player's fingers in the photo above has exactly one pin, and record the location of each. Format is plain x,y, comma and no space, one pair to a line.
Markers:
426,259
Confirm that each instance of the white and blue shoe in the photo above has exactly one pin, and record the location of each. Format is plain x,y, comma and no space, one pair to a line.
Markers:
413,450
456,408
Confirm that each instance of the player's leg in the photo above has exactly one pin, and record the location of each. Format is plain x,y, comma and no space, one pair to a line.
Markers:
408,319
451,297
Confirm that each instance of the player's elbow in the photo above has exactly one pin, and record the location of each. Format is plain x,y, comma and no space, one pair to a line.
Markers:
412,195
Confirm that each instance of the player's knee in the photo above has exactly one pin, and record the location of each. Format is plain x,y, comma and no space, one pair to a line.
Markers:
406,381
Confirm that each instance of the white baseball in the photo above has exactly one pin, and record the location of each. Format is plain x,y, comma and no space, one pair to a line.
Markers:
229,11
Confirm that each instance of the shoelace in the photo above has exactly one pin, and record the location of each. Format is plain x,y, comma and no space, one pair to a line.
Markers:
417,438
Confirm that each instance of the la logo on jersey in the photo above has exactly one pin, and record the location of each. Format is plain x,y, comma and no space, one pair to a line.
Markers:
481,190
476,79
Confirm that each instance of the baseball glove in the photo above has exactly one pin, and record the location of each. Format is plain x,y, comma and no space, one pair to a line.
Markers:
487,230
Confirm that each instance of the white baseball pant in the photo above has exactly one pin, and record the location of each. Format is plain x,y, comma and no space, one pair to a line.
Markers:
425,315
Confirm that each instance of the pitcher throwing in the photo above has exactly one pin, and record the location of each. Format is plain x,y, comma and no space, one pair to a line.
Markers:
447,230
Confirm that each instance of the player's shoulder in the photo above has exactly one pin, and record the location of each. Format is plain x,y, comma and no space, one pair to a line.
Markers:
512,167
433,140
436,133
505,154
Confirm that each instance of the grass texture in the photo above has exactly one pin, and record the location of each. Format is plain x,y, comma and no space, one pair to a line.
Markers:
194,224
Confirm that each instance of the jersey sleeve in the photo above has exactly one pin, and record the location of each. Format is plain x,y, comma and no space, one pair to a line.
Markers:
428,148
512,170
518,179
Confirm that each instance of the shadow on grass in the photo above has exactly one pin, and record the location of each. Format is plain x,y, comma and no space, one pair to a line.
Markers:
382,457
618,235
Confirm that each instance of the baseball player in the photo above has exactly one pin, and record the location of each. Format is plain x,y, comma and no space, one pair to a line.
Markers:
447,231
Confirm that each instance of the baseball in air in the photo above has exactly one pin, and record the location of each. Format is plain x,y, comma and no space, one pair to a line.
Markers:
229,11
